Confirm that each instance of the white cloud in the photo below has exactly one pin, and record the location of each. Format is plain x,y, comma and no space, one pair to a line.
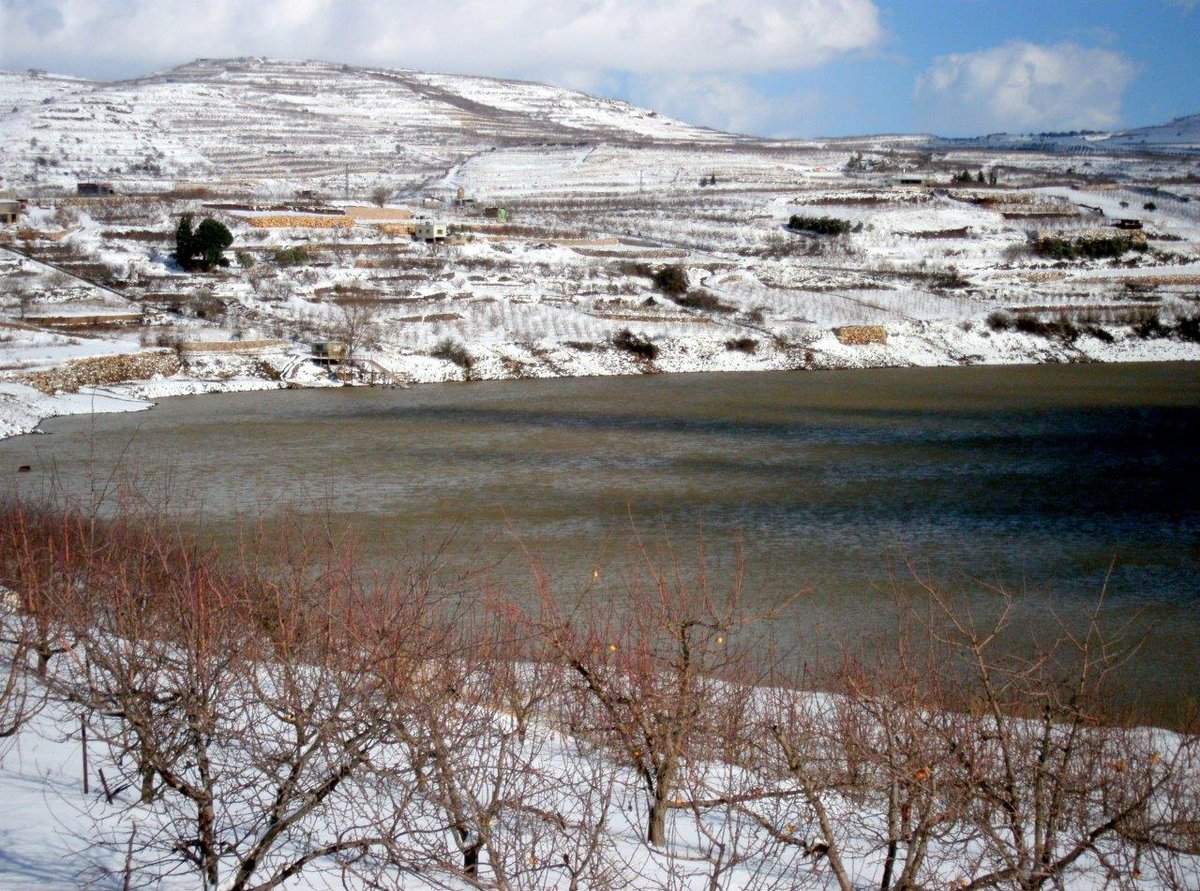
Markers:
107,37
711,101
1024,86
727,102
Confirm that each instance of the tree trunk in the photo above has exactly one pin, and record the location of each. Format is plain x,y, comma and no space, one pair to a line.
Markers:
656,833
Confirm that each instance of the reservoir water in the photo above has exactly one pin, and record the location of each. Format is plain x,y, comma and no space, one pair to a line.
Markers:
1060,481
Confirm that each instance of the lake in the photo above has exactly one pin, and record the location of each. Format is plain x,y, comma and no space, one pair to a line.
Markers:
1054,480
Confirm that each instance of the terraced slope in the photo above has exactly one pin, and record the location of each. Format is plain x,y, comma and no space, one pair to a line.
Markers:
273,121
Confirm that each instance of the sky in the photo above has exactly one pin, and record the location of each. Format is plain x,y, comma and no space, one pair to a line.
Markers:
762,67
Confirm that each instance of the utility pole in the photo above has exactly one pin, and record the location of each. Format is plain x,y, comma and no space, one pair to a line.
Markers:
346,184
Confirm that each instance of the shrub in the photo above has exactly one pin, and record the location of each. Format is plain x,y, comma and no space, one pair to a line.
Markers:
453,351
1188,328
1093,248
639,346
702,300
818,225
999,320
742,344
292,256
1099,333
634,269
206,305
1062,327
949,278
245,259
671,279
1148,325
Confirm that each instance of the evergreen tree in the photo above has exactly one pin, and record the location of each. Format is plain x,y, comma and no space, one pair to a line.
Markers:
211,239
185,242
203,247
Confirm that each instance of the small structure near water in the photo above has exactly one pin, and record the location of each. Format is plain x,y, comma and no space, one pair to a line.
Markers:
329,352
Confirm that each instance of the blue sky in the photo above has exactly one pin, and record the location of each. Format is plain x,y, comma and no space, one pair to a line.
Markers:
874,90
768,67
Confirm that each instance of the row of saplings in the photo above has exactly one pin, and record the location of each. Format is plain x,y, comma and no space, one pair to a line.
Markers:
256,718
1145,323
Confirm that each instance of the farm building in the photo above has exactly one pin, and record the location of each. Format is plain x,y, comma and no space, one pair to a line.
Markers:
10,210
496,213
908,181
94,190
434,232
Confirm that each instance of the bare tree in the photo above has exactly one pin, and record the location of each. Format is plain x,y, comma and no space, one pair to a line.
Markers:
358,326
990,766
381,194
651,669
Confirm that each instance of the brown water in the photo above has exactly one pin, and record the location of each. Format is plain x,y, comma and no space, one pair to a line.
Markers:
1049,479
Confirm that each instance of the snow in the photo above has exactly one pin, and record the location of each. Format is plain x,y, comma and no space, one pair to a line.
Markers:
596,190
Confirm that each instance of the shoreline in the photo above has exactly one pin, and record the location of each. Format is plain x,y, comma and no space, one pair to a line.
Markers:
24,408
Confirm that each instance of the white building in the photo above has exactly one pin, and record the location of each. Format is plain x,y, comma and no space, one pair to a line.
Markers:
428,231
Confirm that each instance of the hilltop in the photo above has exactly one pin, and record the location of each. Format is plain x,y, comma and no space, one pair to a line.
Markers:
265,119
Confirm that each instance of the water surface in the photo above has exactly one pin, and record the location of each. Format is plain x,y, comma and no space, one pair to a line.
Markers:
1056,479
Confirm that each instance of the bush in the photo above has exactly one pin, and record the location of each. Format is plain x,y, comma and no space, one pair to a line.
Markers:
999,320
1188,328
453,351
1148,325
742,344
702,300
206,305
639,346
1062,328
1086,248
950,278
1099,333
293,256
671,279
819,225
634,269
245,259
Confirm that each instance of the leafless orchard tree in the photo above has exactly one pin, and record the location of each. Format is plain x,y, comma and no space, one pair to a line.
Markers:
279,714
232,715
990,767
651,670
380,195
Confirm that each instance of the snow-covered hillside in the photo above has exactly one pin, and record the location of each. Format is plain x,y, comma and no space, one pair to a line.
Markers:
1179,135
265,120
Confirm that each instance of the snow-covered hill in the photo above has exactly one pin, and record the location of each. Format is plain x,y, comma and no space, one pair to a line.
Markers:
1181,135
265,120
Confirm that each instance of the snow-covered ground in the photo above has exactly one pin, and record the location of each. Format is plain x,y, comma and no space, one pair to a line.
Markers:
599,195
